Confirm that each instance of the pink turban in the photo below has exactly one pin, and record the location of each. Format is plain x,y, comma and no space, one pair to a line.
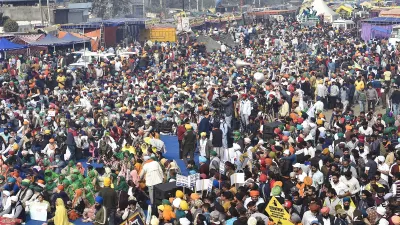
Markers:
325,210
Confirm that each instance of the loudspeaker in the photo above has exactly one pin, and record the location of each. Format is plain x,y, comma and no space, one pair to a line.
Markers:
268,129
164,191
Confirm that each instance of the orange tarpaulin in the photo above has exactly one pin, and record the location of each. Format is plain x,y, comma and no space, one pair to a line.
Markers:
94,35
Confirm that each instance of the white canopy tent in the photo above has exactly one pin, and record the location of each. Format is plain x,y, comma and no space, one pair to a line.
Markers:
322,8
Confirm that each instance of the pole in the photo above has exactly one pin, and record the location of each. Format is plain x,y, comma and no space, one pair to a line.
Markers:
183,5
84,43
143,16
202,5
48,11
41,12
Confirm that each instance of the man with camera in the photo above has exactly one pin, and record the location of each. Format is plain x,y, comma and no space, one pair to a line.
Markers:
227,104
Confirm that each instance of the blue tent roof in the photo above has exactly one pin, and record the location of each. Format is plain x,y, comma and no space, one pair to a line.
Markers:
71,38
50,40
6,45
386,20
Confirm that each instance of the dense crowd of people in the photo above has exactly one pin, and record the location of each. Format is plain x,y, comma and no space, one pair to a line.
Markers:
85,142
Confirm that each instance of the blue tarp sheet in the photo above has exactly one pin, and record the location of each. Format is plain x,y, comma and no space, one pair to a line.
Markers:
382,30
73,39
6,45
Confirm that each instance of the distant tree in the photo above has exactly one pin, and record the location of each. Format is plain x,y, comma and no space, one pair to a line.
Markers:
10,26
111,8
99,8
3,19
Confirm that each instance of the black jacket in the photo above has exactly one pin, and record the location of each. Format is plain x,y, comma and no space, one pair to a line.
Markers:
396,97
189,141
217,138
110,197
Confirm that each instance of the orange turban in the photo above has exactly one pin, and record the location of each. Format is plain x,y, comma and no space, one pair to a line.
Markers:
194,196
254,193
291,149
307,180
40,181
268,161
168,215
278,183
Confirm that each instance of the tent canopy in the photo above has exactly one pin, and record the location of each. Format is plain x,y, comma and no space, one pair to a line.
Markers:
6,45
50,40
71,38
322,8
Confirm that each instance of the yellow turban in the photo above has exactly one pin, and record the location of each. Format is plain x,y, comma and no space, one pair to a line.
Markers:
107,182
188,126
184,205
179,194
203,134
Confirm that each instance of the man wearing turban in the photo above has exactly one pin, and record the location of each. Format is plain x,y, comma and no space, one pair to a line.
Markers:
188,143
101,214
254,196
24,193
324,217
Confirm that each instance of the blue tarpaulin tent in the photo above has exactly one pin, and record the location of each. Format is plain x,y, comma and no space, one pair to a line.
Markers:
382,30
50,40
6,45
71,38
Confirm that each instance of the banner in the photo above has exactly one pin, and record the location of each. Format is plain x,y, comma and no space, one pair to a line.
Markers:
210,185
183,24
203,184
189,181
136,219
237,178
38,211
221,167
193,179
182,181
277,212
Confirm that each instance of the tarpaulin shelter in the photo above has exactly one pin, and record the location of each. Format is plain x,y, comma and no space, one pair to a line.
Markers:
378,27
50,40
73,39
6,45
26,39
